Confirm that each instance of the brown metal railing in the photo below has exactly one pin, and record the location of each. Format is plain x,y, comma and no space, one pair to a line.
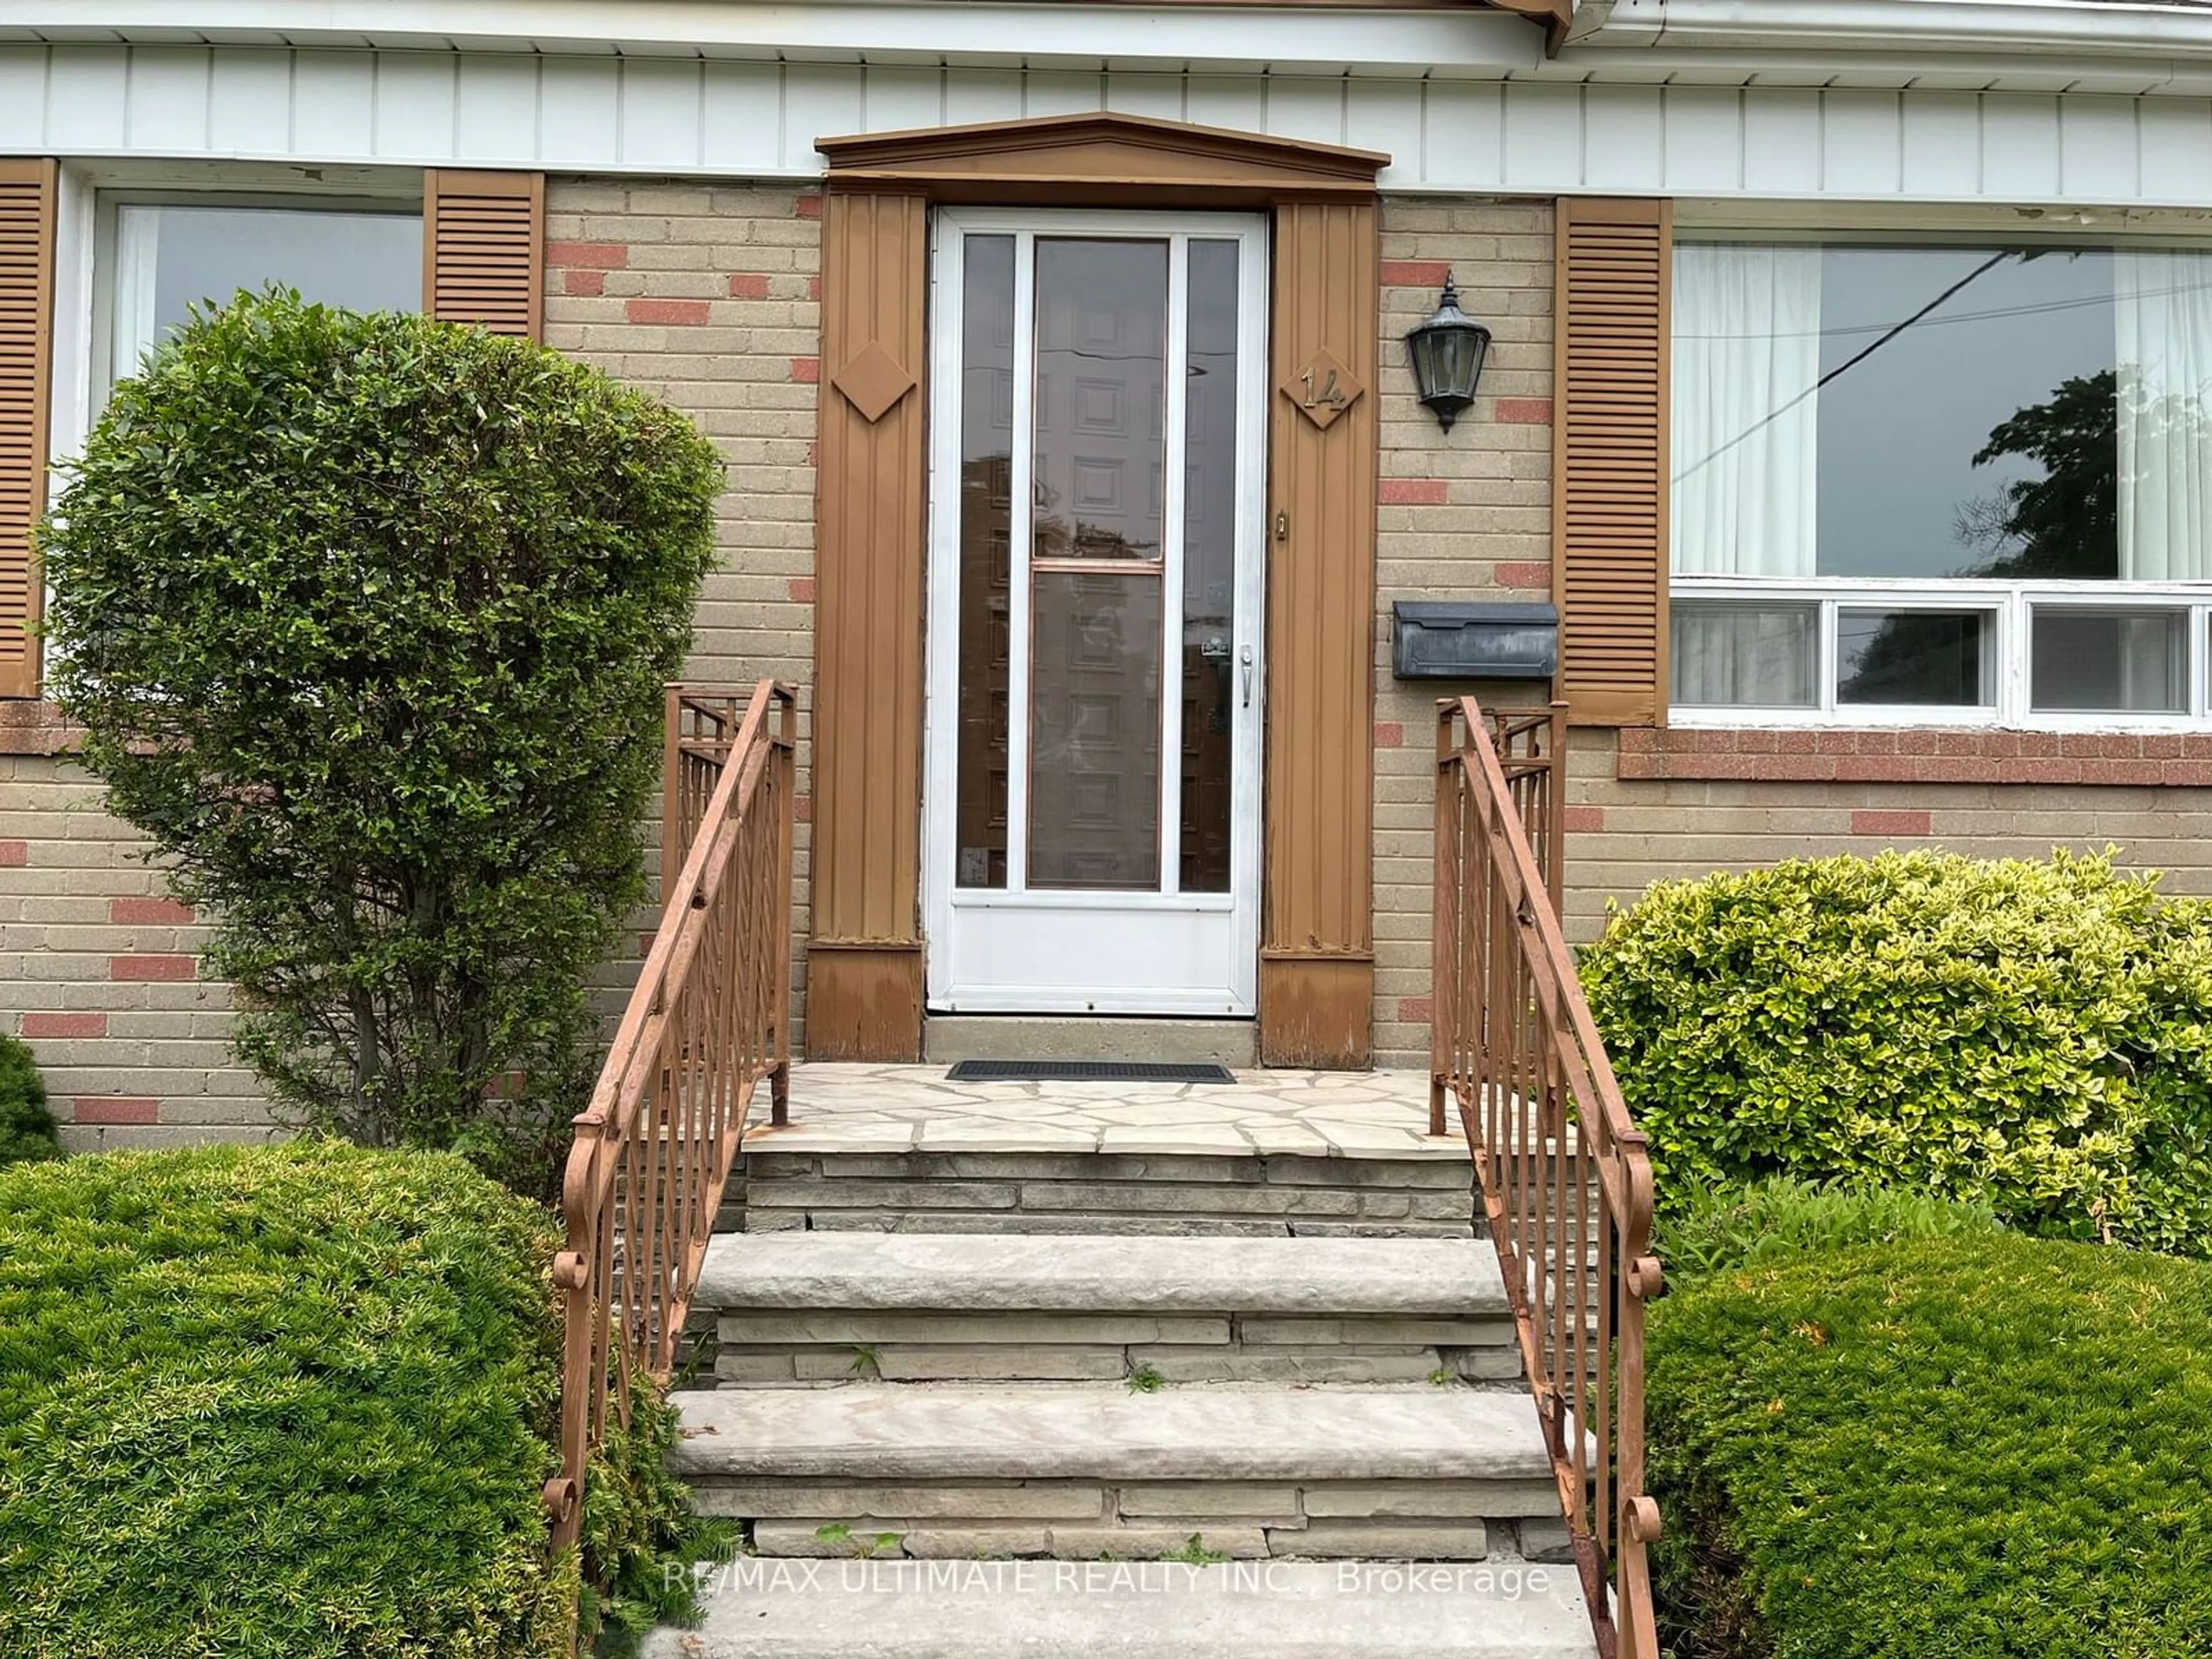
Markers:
708,1022
1566,1181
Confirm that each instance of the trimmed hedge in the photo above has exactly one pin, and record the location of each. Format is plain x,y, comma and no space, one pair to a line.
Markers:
27,1128
1990,1448
2033,1036
291,1402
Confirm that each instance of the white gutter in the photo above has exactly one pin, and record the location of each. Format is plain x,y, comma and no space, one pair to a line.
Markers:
1468,40
2079,28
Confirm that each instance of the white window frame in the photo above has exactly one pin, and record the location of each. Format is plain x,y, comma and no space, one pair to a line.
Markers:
108,274
2011,601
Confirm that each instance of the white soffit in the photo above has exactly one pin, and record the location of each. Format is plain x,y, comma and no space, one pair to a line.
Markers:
733,117
1002,33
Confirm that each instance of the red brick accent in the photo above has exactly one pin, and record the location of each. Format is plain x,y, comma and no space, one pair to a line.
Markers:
152,968
676,314
645,944
595,256
14,852
154,912
1523,412
591,283
802,589
34,726
807,371
1413,492
808,207
1415,273
1415,1011
116,1108
1390,734
65,1025
1584,819
1837,755
1515,574
1878,822
802,809
814,287
749,285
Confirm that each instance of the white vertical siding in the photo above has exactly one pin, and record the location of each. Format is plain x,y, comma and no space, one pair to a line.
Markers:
681,115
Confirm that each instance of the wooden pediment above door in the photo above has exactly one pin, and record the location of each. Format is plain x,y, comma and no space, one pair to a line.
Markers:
1098,159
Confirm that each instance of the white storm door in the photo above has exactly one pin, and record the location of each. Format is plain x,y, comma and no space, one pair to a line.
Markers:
1091,825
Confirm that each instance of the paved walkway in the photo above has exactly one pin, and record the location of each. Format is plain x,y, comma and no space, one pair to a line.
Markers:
898,1109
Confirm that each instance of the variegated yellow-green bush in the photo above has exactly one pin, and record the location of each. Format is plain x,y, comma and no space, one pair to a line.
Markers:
2033,1036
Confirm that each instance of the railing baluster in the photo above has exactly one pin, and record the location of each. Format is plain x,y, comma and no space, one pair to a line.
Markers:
705,1025
1567,1179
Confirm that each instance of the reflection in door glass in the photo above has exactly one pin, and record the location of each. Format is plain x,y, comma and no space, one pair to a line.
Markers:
987,451
1102,311
1097,633
1094,744
1212,679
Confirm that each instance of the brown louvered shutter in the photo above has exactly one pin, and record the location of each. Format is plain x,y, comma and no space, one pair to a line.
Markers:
1610,459
27,313
483,245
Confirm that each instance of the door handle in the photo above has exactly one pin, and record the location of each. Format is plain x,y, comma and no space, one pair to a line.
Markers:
1247,659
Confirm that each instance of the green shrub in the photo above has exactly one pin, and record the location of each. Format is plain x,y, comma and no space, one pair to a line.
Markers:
284,1403
1990,1447
367,620
2033,1036
1708,1230
27,1128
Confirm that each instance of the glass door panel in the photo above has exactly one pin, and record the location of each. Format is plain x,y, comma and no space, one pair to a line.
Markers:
1097,556
1214,679
1095,730
986,515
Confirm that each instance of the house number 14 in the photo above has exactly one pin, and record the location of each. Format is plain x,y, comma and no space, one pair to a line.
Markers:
1329,395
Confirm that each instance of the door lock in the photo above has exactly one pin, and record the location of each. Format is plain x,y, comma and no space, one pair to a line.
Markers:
1247,661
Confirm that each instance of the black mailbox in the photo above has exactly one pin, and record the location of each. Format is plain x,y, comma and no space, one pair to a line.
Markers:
1441,640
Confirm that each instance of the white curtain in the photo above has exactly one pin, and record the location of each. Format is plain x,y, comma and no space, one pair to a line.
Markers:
2163,311
137,239
1745,458
1738,656
1747,424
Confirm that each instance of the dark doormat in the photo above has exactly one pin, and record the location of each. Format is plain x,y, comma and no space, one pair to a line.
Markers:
1084,1070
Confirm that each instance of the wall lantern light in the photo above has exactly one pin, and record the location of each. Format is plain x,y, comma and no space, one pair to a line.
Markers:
1448,352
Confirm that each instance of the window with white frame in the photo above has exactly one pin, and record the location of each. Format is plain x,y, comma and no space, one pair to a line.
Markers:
165,255
1945,483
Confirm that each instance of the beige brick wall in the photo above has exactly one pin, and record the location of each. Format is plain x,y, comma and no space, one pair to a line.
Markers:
1624,833
1464,515
99,972
708,297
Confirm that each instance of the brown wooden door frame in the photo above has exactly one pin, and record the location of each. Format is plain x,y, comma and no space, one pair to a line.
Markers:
865,958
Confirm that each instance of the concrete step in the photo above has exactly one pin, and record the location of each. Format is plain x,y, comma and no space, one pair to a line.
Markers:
966,1471
842,1308
758,1609
1170,1180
